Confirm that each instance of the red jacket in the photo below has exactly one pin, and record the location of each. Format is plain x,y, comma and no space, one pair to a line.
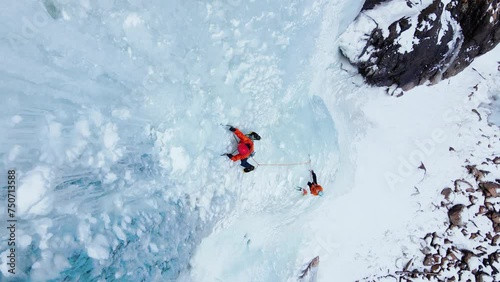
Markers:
244,140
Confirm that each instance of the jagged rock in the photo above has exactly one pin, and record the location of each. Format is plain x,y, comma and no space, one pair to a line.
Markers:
488,236
495,239
457,215
446,192
477,173
491,189
473,199
422,167
451,255
436,268
462,266
495,217
482,249
496,160
437,258
428,238
429,41
444,204
465,232
436,241
473,236
480,277
471,169
462,185
482,210
494,257
428,260
470,190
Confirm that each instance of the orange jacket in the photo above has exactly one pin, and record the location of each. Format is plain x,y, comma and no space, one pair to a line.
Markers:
243,140
315,189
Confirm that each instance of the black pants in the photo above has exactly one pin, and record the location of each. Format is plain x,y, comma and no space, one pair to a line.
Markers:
314,179
244,163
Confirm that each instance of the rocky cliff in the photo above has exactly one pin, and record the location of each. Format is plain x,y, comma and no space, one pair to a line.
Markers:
411,42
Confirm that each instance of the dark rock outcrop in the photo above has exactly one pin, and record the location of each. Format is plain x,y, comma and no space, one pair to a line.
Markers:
444,40
480,23
369,4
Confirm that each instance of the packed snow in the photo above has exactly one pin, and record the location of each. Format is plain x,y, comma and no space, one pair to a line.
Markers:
112,120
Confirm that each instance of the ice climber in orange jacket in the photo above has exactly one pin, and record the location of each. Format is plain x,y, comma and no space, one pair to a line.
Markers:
314,187
245,148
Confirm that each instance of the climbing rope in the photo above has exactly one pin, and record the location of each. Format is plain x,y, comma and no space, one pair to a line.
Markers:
285,164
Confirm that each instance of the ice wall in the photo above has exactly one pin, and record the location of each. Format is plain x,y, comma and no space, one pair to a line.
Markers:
110,117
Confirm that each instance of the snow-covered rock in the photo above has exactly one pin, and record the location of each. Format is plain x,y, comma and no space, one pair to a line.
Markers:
458,215
490,188
408,43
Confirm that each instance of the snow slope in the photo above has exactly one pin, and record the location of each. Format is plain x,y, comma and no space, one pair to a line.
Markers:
375,228
111,120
